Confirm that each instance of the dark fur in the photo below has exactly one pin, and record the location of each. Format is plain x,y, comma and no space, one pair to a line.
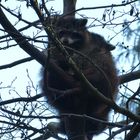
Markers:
102,74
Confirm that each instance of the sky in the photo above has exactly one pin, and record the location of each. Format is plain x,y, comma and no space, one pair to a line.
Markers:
19,73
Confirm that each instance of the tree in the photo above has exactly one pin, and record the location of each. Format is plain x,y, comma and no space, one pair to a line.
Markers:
19,115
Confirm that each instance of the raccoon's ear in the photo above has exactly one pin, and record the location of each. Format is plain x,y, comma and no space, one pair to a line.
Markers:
110,47
82,22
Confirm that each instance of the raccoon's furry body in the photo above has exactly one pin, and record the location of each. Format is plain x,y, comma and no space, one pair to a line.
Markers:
100,72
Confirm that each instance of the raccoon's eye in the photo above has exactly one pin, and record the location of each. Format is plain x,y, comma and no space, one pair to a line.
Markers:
63,33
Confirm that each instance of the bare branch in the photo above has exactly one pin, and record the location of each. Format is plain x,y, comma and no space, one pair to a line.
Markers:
103,7
129,77
127,127
16,63
42,59
25,45
34,98
133,133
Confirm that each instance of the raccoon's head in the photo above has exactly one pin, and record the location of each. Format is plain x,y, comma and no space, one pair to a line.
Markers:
70,31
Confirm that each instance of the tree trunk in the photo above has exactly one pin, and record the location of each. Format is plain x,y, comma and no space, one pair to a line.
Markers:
69,7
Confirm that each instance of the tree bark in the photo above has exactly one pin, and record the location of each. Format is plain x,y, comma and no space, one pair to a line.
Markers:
69,7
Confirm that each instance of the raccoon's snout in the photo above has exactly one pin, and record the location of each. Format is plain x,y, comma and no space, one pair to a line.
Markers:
66,41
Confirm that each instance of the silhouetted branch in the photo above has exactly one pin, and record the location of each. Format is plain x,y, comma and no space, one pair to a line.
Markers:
16,63
41,58
133,133
103,7
23,99
130,77
127,127
25,45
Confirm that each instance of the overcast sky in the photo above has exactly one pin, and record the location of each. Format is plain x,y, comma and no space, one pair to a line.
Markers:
10,55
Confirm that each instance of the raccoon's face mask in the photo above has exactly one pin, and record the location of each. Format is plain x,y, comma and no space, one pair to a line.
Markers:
71,39
70,32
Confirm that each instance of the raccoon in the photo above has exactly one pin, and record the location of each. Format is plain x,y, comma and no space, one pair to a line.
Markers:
92,55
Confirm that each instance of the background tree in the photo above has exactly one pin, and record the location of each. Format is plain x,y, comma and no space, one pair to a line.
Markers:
24,113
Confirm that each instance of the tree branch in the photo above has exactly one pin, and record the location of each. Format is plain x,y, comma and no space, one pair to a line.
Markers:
41,58
129,77
34,98
114,133
103,7
16,63
21,41
26,46
133,133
